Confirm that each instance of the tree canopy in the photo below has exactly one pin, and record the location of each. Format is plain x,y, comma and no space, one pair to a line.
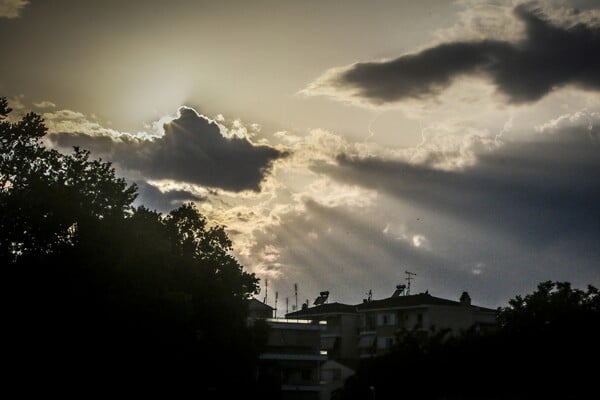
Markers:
102,291
551,306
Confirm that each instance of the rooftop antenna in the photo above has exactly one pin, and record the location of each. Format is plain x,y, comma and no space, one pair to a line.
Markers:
409,277
370,295
266,290
276,296
296,291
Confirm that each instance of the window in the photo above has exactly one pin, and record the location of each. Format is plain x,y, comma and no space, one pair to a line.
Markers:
386,319
371,322
419,320
385,342
366,341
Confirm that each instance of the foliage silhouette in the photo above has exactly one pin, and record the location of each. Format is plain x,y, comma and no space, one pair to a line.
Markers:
105,295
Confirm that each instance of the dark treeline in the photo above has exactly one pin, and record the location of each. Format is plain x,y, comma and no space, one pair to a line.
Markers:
102,295
546,346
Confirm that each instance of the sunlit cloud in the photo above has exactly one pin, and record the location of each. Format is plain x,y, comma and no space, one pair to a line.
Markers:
163,199
72,121
44,104
12,8
16,103
478,269
574,120
420,241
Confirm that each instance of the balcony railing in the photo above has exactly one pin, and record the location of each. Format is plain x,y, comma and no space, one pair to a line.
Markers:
296,321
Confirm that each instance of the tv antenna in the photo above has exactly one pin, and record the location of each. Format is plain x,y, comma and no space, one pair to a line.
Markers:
266,290
296,291
409,277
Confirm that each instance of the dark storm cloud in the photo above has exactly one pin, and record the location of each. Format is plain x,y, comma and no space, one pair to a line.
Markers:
548,57
193,150
151,197
537,193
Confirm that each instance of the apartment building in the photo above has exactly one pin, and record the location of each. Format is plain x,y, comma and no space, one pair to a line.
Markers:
290,365
340,337
381,321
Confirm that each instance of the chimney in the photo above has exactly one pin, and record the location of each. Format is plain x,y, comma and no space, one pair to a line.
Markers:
465,299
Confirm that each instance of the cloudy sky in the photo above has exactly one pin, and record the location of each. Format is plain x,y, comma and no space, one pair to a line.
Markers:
341,143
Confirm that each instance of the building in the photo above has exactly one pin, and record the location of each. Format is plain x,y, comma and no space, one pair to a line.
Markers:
372,327
381,321
340,337
292,359
290,365
315,349
259,310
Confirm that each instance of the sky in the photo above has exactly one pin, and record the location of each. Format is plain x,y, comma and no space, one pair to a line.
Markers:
341,143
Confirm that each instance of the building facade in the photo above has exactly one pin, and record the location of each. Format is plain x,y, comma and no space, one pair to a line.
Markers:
293,357
374,326
312,352
382,322
340,337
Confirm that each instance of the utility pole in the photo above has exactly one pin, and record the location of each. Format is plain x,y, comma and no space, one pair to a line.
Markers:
276,296
286,304
409,277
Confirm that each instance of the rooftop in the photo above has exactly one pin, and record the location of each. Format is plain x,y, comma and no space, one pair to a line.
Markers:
416,300
421,299
254,303
327,308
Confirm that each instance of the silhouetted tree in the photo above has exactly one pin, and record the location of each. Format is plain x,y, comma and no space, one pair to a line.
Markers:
554,305
106,295
47,196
